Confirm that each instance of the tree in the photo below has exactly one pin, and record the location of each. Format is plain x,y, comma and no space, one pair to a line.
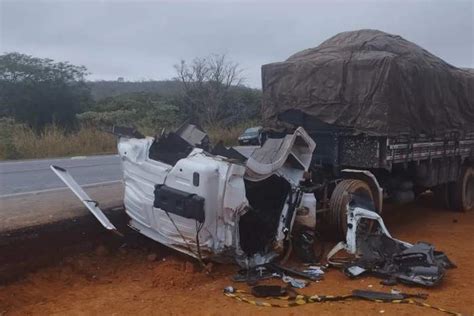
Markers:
140,109
207,86
40,91
243,104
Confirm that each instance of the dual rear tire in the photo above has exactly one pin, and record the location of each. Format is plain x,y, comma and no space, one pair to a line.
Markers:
457,195
461,192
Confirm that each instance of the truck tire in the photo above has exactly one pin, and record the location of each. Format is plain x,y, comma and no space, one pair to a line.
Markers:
462,191
337,217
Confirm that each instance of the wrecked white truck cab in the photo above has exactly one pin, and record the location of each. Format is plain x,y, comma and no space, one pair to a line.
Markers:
238,207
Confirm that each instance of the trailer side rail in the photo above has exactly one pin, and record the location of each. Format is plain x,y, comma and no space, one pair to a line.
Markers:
403,152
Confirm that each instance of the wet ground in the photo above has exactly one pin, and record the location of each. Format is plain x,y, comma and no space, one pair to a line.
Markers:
142,277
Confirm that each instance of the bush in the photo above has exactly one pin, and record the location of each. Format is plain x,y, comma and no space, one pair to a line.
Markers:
145,111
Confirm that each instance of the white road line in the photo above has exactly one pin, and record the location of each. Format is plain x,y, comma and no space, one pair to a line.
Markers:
58,189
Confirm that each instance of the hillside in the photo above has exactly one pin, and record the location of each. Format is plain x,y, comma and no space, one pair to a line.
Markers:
104,89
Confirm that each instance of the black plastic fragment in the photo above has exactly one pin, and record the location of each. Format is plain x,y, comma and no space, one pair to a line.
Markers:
169,148
268,291
231,153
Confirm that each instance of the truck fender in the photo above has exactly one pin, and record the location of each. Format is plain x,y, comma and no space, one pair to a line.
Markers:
369,178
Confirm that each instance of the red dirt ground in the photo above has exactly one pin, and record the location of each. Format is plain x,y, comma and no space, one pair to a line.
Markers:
124,281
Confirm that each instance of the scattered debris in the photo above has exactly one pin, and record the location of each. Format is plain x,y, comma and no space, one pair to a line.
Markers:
280,269
384,256
296,283
419,264
273,270
314,270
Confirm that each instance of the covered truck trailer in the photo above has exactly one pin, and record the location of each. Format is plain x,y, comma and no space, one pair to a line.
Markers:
394,114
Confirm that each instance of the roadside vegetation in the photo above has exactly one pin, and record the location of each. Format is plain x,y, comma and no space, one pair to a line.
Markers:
18,141
21,142
47,109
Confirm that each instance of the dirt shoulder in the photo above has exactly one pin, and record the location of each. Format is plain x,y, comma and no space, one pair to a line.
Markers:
115,280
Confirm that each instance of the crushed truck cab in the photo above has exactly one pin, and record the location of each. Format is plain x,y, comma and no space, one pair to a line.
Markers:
210,206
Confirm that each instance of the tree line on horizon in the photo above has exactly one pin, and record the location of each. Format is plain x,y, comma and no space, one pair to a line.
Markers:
38,92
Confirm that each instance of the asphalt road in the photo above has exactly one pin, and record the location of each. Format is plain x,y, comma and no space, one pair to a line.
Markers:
21,177
32,195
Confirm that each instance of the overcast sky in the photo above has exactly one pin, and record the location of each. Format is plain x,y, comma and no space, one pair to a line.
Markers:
143,39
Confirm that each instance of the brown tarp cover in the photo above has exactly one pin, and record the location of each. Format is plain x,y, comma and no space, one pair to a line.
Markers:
371,81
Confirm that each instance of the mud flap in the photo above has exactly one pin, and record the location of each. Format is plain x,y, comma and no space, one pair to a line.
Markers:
91,205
